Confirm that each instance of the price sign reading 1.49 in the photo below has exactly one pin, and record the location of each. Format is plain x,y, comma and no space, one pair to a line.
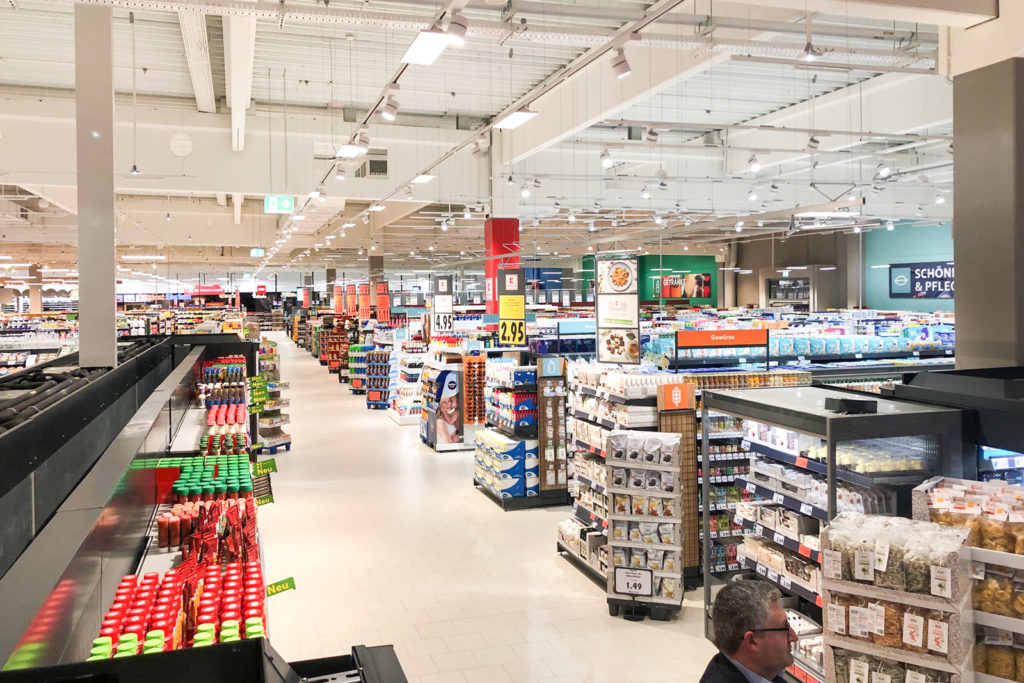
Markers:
633,581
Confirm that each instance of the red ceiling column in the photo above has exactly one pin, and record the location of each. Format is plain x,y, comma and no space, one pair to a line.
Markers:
501,238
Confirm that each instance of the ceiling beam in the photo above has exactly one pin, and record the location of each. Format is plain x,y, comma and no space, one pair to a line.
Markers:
958,13
239,56
237,201
197,52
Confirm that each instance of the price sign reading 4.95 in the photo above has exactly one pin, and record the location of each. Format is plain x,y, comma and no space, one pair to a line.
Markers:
634,581
512,333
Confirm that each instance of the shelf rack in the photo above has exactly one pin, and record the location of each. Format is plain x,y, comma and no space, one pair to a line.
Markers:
802,410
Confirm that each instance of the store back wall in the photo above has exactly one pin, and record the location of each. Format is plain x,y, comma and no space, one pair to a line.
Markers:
908,243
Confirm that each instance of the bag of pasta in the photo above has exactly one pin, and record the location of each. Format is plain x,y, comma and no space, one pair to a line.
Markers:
887,670
995,534
888,623
889,569
919,674
914,636
994,593
917,565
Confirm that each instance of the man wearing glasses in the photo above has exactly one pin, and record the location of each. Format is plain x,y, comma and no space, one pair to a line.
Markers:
752,634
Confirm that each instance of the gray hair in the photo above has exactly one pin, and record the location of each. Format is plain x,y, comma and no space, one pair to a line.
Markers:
739,607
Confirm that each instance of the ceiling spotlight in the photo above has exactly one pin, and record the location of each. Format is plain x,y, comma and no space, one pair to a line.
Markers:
940,198
658,220
431,247
856,229
510,181
462,253
591,227
360,251
536,182
168,216
524,191
651,136
408,192
810,52
890,226
883,170
739,226
457,27
606,159
852,196
321,195
645,193
919,210
876,189
620,67
753,163
135,170
571,217
444,225
390,109
686,248
590,249
467,214
339,173
412,252
343,234
366,219
373,247
752,195
662,185
813,143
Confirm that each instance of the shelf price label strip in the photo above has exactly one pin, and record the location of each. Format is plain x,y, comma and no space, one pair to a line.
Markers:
776,537
782,499
805,464
783,582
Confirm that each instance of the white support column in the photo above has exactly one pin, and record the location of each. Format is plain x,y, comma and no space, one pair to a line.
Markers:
94,109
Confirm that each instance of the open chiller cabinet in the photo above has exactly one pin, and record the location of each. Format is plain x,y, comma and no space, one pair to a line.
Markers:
807,463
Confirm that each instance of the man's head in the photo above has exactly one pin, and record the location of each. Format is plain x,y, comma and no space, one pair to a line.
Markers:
751,627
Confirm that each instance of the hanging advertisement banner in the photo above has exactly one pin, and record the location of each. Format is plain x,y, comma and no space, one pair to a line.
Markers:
261,290
442,311
365,310
339,299
511,307
929,280
350,300
383,303
618,310
207,290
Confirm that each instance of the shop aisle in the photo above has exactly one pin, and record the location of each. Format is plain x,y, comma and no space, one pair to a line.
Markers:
388,542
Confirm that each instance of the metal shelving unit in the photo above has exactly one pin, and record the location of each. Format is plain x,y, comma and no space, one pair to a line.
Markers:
818,440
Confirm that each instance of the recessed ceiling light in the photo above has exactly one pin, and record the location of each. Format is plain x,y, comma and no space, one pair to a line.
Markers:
515,119
422,179
426,48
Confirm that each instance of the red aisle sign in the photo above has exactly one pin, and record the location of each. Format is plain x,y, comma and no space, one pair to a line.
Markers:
339,299
261,290
725,338
350,300
383,303
305,298
364,302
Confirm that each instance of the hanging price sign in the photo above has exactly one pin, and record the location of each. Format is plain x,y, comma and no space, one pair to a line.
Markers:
511,307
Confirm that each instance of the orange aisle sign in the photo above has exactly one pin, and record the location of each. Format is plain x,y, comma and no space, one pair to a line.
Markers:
705,338
338,299
676,396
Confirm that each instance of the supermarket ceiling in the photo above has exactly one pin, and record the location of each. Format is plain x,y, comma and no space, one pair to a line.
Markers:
655,125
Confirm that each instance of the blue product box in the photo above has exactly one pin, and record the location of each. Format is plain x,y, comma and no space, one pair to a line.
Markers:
831,346
846,345
875,344
526,403
509,466
526,420
786,346
532,461
816,346
860,344
512,487
801,347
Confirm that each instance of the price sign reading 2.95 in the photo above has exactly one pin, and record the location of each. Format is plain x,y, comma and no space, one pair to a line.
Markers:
512,333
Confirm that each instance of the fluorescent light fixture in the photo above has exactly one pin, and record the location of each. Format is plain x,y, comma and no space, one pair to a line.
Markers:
880,266
298,217
348,225
890,226
5,257
515,119
349,151
826,268
422,179
427,47
142,257
376,207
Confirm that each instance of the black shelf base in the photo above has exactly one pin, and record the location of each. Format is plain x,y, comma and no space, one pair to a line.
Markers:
639,610
544,499
588,571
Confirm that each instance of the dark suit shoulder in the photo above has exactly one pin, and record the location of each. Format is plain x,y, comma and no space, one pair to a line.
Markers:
721,670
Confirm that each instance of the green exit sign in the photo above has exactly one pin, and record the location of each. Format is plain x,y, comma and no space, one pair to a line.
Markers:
278,203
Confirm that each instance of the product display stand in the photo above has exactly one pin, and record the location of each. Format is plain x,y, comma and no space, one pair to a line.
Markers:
378,379
445,390
271,436
357,367
646,536
406,366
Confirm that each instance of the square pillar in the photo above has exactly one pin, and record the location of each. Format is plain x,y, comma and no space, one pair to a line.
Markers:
988,215
501,239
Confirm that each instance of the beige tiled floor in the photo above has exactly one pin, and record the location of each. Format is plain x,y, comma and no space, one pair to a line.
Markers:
389,543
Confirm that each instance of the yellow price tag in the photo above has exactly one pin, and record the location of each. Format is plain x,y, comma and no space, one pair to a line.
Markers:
512,333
